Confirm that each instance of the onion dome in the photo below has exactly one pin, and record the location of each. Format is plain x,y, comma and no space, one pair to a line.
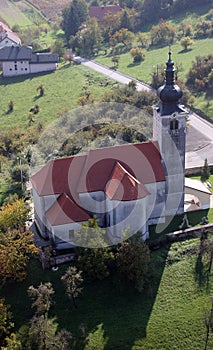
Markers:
169,93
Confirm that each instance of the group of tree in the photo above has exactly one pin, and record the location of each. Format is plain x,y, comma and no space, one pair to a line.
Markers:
41,333
130,95
16,242
200,75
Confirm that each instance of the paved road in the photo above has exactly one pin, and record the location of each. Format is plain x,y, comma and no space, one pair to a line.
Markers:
119,77
199,140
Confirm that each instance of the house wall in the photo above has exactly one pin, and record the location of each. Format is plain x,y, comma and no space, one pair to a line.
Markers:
24,67
204,198
8,42
14,68
42,67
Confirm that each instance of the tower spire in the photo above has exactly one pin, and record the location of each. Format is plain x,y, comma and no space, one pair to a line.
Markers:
169,93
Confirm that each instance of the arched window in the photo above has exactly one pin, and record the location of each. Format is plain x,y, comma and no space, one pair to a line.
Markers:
174,125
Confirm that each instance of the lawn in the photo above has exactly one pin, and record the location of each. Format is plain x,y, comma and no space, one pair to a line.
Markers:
62,89
159,56
167,315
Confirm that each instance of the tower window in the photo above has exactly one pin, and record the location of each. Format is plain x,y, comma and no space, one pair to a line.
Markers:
174,125
71,235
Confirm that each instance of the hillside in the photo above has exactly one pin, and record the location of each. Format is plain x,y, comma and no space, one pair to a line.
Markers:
50,8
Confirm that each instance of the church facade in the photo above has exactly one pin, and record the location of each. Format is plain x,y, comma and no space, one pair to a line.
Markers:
127,186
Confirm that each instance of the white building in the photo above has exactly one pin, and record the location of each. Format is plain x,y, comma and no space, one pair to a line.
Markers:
8,37
19,60
132,185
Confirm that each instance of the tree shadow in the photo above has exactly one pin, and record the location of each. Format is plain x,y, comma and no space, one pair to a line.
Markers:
20,78
134,64
184,51
117,306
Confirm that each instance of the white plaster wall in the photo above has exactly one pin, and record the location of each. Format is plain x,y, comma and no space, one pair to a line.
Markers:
49,201
156,201
8,68
8,42
127,214
42,67
95,202
61,233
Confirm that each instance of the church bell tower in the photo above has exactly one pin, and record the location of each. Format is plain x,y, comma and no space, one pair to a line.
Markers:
169,129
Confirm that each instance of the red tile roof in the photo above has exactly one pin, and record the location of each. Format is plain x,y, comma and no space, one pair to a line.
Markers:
120,171
91,172
122,186
99,12
64,211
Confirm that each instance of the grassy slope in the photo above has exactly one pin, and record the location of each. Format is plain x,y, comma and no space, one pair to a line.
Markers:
166,316
12,14
62,88
153,57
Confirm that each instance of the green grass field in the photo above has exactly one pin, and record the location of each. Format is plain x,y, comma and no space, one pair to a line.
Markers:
12,14
158,56
167,315
62,89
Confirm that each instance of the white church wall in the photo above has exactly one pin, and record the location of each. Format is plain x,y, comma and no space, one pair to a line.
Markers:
63,235
94,202
126,214
156,202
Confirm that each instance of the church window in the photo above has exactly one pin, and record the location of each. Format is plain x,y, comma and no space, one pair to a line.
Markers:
174,125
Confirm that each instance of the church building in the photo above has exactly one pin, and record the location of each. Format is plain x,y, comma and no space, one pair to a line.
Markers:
126,186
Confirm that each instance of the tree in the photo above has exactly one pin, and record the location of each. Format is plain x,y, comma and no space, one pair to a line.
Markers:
40,88
208,322
12,343
58,47
206,171
10,106
133,259
115,60
16,248
73,283
73,16
14,215
138,54
42,297
88,38
123,36
186,41
94,257
43,335
162,34
5,320
142,39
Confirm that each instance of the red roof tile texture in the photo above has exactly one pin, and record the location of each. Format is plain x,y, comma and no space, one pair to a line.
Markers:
99,12
64,211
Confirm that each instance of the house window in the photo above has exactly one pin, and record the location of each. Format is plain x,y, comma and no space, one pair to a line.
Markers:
16,67
174,125
25,68
10,68
71,235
